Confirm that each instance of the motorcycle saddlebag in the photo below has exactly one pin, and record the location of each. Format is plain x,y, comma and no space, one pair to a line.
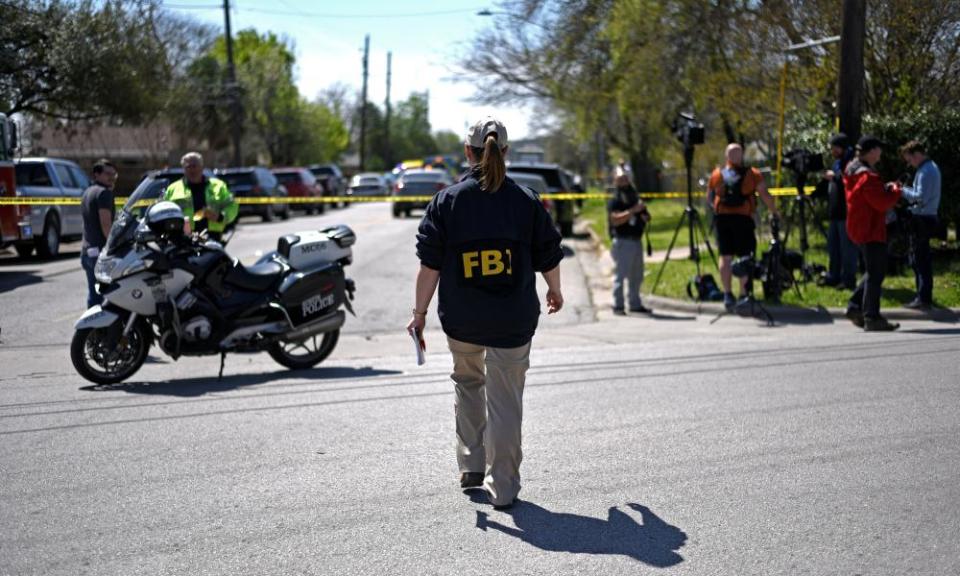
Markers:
313,294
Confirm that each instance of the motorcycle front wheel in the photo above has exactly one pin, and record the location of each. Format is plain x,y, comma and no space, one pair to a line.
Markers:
98,361
304,354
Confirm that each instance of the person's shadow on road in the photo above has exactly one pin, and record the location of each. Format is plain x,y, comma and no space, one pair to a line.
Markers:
653,542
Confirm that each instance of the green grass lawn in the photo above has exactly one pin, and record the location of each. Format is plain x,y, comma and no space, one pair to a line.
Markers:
664,215
897,289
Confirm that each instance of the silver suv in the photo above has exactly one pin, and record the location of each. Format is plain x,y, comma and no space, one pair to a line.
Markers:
51,178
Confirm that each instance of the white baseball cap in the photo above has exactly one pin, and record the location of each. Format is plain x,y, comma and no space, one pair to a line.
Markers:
477,134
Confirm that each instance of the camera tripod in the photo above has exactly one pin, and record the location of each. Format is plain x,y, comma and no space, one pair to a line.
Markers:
751,302
694,224
798,212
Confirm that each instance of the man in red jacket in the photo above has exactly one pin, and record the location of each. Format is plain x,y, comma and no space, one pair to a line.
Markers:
868,201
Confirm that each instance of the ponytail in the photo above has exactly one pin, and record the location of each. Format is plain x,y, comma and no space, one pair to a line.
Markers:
492,168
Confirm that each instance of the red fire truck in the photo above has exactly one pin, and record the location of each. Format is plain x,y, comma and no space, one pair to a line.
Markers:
14,220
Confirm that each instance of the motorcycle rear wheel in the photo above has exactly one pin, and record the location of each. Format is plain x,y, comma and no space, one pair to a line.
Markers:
94,362
312,351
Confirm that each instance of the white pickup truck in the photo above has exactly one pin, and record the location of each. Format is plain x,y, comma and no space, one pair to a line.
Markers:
50,178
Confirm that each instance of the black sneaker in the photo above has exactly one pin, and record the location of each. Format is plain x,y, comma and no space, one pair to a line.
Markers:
619,311
879,325
918,304
729,302
471,479
641,309
855,315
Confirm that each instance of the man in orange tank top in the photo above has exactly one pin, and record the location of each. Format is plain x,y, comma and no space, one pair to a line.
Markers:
732,192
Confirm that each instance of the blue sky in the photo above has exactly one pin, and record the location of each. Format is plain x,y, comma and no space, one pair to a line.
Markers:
423,36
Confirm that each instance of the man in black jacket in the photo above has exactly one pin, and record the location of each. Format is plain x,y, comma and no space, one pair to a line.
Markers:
628,216
843,252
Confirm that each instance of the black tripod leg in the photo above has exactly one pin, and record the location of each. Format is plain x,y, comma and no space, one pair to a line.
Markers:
669,250
706,240
789,218
763,309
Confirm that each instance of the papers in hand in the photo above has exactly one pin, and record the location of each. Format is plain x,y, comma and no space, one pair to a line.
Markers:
420,346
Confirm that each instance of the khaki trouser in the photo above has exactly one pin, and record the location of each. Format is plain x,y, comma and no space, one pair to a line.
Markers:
489,410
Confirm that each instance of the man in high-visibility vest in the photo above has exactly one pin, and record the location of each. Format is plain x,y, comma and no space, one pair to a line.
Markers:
206,202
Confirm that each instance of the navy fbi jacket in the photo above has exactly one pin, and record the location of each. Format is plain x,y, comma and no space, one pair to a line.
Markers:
488,248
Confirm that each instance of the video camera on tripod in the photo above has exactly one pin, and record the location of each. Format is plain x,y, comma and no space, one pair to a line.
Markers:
688,131
802,161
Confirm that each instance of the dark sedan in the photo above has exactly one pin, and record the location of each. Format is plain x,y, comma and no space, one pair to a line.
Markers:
422,184
256,182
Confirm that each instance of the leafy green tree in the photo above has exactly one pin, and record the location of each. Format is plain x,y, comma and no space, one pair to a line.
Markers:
624,68
82,60
279,123
448,142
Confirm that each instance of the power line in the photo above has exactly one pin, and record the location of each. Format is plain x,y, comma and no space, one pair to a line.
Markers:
323,14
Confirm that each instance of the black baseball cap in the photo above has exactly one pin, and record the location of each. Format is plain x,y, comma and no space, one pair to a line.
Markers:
868,143
840,140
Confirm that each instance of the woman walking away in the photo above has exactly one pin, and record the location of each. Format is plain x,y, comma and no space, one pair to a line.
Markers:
483,240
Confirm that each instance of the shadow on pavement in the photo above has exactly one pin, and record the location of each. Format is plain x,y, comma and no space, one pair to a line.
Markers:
10,259
935,331
653,542
659,316
12,280
191,387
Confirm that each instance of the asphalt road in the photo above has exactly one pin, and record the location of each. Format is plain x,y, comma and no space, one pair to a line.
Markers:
652,445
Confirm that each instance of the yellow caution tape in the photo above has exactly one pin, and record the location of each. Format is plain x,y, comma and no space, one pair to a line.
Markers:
31,201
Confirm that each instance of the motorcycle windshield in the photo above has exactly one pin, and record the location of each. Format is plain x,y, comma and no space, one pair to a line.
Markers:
122,233
148,192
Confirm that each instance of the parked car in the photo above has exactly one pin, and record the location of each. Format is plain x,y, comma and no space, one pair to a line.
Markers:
417,183
557,183
535,182
51,225
389,179
332,180
368,184
256,182
301,183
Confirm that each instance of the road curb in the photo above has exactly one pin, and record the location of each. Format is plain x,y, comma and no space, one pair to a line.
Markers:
778,311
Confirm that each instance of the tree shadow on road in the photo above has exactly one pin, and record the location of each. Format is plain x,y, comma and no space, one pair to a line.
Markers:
192,387
653,542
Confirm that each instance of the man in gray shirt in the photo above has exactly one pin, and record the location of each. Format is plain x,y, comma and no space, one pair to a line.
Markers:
98,211
924,199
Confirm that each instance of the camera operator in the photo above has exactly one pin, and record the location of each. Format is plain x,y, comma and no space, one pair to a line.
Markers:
868,201
924,199
628,217
732,192
843,252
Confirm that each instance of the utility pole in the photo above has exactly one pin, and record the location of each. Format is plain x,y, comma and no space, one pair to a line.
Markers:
852,77
388,156
363,105
233,90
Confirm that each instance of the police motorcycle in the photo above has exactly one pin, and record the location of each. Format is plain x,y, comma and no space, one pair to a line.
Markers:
186,295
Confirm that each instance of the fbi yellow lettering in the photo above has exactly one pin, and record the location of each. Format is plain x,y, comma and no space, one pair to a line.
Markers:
471,260
509,262
492,262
